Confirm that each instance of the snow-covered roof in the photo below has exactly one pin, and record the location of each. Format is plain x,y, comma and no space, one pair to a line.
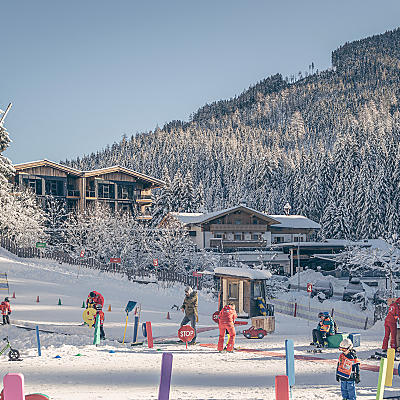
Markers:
294,221
243,272
199,218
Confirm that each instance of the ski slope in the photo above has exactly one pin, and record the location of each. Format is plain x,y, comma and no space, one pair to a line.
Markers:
134,372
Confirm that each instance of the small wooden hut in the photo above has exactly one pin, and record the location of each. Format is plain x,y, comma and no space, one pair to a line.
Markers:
244,287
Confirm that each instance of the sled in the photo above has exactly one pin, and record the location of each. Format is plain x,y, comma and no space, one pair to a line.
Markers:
34,396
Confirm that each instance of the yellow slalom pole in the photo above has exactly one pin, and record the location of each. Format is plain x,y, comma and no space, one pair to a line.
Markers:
126,324
391,353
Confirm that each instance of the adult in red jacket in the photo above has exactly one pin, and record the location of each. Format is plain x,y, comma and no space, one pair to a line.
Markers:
226,322
391,326
94,298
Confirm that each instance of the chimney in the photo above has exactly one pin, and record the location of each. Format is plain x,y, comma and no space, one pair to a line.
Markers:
287,208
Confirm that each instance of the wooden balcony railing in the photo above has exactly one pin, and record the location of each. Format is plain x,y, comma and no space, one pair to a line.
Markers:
237,227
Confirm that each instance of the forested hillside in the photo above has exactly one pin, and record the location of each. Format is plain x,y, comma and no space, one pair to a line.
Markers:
328,144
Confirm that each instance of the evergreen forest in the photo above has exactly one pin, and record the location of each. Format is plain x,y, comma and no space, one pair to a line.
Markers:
327,143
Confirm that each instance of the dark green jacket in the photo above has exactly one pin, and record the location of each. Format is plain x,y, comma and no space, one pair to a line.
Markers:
190,304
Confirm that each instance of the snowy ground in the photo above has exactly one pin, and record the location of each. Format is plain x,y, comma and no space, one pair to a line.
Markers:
134,372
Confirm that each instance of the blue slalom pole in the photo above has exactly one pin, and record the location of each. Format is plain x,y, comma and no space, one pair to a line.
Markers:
135,329
289,347
38,341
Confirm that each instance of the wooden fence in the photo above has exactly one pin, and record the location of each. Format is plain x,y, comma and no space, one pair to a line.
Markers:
141,276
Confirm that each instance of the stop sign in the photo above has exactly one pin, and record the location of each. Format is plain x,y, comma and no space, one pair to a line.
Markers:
186,333
215,316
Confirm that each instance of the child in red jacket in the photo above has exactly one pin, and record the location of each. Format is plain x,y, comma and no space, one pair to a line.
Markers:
226,322
5,311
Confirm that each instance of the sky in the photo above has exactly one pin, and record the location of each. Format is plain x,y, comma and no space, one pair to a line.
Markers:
81,74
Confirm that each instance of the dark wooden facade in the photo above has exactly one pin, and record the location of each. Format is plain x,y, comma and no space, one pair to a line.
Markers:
119,187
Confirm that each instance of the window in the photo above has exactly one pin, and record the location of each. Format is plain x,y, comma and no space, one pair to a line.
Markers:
279,239
298,239
192,233
218,236
238,236
255,221
233,291
124,193
257,289
256,236
218,221
238,221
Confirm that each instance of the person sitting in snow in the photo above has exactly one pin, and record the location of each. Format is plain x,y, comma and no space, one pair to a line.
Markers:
93,299
324,328
348,370
5,311
189,307
100,313
226,322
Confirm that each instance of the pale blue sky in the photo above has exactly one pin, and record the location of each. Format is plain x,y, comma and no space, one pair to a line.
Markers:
81,73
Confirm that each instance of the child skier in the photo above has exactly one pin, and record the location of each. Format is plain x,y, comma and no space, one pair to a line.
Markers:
93,299
348,370
324,328
5,311
226,321
391,326
100,313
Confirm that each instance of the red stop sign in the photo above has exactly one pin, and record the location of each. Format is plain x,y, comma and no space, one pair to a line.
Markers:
186,333
215,317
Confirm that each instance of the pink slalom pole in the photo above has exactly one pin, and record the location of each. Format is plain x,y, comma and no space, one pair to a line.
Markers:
165,381
14,387
282,391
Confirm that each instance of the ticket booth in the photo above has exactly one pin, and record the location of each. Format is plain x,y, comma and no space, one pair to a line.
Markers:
242,286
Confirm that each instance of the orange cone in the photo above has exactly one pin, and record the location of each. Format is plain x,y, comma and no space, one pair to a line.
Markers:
109,307
168,316
37,299
13,296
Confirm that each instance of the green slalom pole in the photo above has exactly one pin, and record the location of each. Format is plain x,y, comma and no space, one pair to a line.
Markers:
381,379
96,339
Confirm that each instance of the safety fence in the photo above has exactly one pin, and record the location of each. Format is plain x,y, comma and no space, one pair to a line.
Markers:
141,276
311,313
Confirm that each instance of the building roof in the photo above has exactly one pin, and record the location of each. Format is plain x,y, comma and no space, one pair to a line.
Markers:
294,221
243,272
116,168
278,221
47,163
201,218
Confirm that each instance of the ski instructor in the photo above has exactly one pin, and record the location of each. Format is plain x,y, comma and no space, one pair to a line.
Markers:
189,307
391,326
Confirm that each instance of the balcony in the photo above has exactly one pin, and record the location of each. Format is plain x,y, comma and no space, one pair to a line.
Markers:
73,193
224,243
237,227
144,200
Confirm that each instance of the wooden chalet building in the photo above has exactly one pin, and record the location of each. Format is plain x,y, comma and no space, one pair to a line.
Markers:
121,188
242,227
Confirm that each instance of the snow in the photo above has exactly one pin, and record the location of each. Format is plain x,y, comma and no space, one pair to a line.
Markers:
242,272
294,221
134,372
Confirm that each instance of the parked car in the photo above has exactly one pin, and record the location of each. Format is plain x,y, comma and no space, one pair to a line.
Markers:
324,287
353,287
255,333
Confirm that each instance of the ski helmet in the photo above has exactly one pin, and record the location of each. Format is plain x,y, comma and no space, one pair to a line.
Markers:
321,314
188,290
346,344
6,299
92,294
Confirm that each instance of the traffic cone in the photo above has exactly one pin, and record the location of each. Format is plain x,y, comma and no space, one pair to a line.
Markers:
37,299
83,304
59,302
13,296
109,307
168,316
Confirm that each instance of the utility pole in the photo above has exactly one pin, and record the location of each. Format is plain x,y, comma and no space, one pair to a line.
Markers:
3,117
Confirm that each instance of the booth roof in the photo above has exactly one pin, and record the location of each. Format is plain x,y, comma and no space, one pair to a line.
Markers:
243,272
